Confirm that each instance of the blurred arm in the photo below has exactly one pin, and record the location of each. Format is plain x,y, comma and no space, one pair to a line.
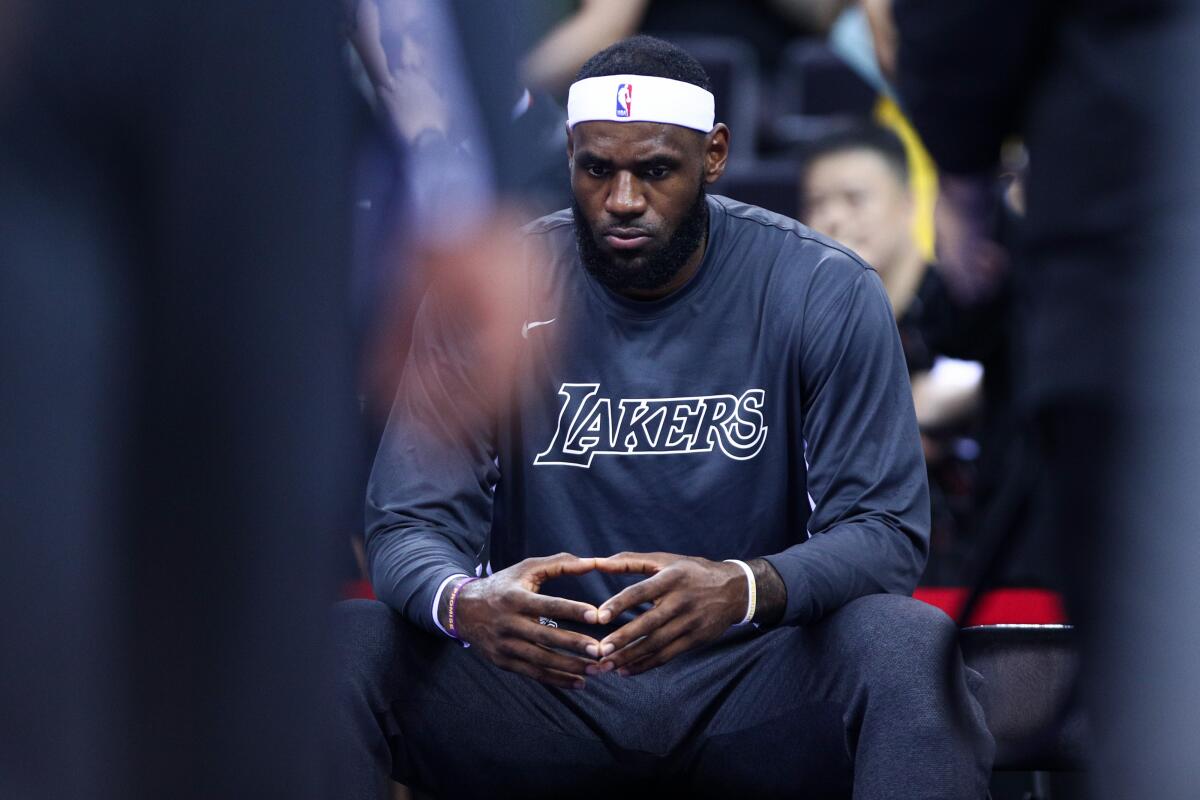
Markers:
429,499
552,64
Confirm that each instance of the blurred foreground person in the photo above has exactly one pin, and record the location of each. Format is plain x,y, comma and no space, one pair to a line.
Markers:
457,182
1109,295
177,413
727,385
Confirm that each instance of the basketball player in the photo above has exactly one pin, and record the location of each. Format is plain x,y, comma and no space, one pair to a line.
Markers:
681,557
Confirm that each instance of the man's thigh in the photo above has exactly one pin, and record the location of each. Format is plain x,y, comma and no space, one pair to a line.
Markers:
755,719
781,712
458,726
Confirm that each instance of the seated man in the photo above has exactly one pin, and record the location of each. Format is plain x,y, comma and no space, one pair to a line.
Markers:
716,470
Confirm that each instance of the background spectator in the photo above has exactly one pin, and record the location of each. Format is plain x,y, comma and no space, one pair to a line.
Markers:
855,189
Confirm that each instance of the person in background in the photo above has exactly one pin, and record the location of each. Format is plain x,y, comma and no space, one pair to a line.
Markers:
552,62
766,25
854,188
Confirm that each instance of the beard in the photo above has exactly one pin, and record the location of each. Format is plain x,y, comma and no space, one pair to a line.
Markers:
642,272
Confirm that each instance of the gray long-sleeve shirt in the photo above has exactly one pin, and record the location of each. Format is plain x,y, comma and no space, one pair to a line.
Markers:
763,410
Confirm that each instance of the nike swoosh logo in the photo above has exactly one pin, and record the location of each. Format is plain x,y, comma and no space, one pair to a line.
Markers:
528,326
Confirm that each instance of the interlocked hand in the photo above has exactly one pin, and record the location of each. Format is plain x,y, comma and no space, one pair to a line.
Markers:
499,615
694,601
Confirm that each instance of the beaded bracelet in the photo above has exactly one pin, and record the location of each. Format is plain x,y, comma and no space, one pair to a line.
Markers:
451,626
752,603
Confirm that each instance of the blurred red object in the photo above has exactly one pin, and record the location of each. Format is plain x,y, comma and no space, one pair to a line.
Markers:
1015,606
358,590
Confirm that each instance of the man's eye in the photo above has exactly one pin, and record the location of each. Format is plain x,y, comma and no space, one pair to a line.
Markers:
596,171
658,172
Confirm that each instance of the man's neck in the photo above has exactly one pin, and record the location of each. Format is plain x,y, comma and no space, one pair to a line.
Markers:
902,280
681,278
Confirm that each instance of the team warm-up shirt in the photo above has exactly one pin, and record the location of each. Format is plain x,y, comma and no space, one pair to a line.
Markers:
762,410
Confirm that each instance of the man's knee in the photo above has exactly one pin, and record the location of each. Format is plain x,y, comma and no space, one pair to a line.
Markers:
368,638
898,638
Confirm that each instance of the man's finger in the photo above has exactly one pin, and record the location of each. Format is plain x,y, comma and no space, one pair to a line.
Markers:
640,563
633,596
643,625
560,608
558,638
543,568
549,677
544,657
653,644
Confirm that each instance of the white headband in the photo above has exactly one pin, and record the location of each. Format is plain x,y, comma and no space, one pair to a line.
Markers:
640,98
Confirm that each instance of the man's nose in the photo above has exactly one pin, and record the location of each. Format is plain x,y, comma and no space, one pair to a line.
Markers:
625,197
833,226
832,221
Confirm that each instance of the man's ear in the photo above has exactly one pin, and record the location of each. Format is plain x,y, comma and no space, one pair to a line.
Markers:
716,152
570,147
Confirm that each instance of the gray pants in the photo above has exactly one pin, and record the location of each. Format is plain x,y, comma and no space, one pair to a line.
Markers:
858,702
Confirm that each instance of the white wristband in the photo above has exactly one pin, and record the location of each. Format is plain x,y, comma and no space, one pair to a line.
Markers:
750,585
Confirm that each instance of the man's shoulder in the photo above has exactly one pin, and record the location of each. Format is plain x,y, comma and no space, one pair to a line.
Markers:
789,250
549,241
559,222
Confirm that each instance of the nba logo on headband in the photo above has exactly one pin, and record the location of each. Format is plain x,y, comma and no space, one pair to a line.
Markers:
660,100
624,99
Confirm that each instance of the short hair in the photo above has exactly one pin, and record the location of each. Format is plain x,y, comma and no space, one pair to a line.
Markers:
873,138
646,55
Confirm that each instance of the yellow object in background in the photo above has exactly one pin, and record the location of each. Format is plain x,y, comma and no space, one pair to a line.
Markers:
922,174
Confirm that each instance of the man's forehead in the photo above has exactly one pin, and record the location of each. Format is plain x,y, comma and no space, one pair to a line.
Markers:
636,139
856,165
